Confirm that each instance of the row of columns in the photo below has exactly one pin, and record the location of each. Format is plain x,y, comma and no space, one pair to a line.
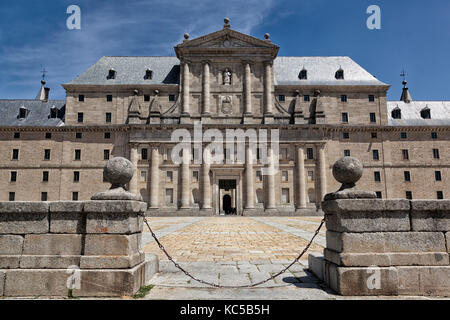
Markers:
270,202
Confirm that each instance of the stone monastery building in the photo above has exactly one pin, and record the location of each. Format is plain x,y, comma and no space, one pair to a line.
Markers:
323,107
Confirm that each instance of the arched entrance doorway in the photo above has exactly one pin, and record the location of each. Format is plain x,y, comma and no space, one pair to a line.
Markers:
227,204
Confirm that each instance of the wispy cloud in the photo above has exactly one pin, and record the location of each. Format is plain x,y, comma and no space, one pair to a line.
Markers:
116,28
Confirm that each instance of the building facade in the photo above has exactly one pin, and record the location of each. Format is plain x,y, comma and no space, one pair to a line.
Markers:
323,108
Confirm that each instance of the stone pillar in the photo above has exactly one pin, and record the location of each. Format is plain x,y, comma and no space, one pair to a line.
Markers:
206,184
133,186
185,180
321,168
206,89
154,178
270,204
248,90
186,92
268,101
301,183
249,189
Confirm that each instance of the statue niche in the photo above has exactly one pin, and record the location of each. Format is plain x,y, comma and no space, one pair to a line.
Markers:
226,75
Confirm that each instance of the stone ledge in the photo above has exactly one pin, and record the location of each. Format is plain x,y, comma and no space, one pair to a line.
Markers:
387,259
424,280
112,262
24,207
378,242
23,222
349,206
430,215
66,206
48,261
115,206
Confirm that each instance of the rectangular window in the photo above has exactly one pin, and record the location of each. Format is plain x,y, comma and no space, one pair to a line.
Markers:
43,196
13,177
109,98
74,196
143,175
379,195
12,196
436,153
16,135
306,98
345,117
371,98
47,154
377,176
169,196
80,117
108,117
171,97
346,135
437,176
146,97
343,98
346,153
375,155
310,175
284,176
405,154
48,135
434,135
81,97
403,135
15,154
309,153
284,153
106,154
285,195
439,195
76,176
407,176
169,176
107,135
258,176
408,195
144,154
77,154
373,135
44,176
78,135
373,117
281,98
195,176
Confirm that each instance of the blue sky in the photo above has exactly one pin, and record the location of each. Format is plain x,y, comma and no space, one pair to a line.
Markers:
415,35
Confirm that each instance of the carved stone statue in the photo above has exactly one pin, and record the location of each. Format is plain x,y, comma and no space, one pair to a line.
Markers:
227,77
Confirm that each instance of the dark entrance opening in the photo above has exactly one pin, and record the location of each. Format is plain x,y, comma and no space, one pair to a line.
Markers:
227,204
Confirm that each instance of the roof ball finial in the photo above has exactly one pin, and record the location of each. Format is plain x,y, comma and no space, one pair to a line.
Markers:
226,22
186,36
267,36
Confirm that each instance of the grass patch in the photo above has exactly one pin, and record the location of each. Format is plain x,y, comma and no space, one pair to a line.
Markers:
143,291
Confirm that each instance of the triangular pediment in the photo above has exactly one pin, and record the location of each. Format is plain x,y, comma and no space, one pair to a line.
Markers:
227,38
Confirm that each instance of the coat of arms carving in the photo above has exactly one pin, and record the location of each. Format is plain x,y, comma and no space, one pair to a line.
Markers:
227,107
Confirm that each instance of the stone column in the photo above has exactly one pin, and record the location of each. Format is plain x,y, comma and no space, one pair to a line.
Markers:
133,186
206,184
301,183
248,90
186,92
154,178
185,180
321,166
270,204
206,89
249,189
268,103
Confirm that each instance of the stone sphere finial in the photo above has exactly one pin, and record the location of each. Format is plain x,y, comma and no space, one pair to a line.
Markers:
347,170
118,171
186,36
226,23
267,36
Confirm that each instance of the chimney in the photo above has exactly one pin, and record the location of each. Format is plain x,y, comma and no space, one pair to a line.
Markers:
46,93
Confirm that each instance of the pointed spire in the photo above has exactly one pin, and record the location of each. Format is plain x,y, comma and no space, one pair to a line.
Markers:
406,96
43,91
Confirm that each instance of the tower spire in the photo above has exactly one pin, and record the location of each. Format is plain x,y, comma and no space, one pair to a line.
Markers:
406,96
43,91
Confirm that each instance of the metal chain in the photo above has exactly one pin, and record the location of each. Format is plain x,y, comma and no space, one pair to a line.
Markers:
221,286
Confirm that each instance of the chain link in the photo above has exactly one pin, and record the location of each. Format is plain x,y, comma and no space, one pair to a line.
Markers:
234,287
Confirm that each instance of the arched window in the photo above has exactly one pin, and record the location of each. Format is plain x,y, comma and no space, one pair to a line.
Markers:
148,74
339,74
111,74
425,113
396,113
303,75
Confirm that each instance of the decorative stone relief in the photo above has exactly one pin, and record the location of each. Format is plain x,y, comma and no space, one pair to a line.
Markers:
227,106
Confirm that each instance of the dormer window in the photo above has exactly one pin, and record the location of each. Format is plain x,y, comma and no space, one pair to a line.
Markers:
148,74
425,113
22,112
303,75
53,112
396,113
339,74
111,74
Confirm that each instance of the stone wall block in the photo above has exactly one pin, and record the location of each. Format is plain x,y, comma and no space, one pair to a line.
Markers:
49,261
67,217
112,244
32,218
36,282
9,262
11,244
424,280
53,244
447,236
430,215
2,282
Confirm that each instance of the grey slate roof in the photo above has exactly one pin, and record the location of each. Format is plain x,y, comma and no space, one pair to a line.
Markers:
410,112
166,70
38,113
